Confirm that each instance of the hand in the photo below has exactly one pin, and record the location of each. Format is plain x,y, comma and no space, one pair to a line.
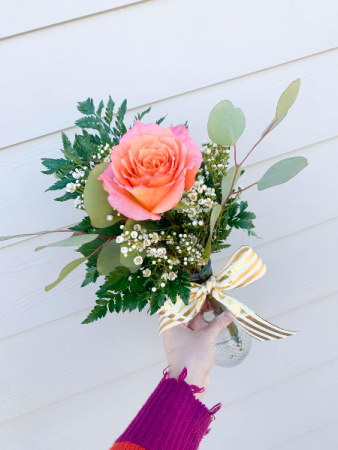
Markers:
193,347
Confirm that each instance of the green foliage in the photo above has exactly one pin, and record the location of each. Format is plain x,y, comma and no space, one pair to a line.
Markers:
139,116
240,218
281,172
226,123
91,274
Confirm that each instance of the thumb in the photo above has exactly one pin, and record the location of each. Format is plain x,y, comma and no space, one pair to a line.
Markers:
218,324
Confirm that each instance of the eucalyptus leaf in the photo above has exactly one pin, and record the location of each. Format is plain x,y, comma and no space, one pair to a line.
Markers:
213,219
286,100
109,258
128,261
226,123
5,238
73,240
96,199
149,225
181,205
66,271
282,172
229,181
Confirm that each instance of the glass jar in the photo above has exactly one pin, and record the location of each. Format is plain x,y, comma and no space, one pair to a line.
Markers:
232,344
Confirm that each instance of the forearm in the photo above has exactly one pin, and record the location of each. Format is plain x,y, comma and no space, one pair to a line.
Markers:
171,419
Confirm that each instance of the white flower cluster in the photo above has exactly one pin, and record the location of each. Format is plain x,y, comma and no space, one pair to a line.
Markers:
216,159
103,153
200,199
188,245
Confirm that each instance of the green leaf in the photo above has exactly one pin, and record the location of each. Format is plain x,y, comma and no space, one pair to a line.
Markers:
86,107
229,181
286,100
181,205
213,219
118,303
97,313
273,124
66,271
119,273
109,111
100,108
159,121
67,196
139,116
282,172
91,275
109,258
226,123
96,198
60,184
111,306
128,261
5,238
149,225
73,240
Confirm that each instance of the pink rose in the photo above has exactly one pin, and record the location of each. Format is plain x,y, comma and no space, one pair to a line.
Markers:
150,169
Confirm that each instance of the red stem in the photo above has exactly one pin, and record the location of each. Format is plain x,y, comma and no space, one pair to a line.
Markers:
241,190
267,131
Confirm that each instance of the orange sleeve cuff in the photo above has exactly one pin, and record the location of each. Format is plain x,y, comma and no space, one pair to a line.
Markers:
126,446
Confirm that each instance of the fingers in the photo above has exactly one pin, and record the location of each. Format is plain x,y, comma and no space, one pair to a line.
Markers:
196,323
219,324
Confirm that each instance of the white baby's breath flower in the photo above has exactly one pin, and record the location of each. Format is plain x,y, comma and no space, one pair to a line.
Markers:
172,276
119,240
155,238
124,250
147,242
192,196
109,217
137,227
152,251
147,273
138,260
134,234
165,276
161,252
71,187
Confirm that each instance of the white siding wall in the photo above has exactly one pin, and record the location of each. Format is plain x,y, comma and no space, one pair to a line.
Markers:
68,386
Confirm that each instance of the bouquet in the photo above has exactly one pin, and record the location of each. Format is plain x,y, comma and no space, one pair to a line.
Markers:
157,207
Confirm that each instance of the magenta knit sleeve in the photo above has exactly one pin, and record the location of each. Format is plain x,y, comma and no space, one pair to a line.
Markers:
171,419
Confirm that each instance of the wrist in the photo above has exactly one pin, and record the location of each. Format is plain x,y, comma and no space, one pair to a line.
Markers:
195,376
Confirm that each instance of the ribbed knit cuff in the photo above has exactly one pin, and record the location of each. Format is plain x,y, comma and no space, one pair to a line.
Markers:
171,419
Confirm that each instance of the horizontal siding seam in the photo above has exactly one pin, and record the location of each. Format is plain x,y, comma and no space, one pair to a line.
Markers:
76,19
164,362
181,94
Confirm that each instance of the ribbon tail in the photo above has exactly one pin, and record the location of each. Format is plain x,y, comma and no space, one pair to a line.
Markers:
252,323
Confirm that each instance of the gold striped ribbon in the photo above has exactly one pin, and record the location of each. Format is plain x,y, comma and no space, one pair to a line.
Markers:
243,268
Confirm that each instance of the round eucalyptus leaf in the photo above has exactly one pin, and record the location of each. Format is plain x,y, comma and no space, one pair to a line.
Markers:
73,240
96,199
282,172
109,258
226,123
273,124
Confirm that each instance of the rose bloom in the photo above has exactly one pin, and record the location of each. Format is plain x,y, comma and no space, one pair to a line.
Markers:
150,169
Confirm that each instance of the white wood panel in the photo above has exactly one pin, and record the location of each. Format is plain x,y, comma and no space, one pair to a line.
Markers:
45,73
325,436
293,258
280,413
312,119
19,16
34,376
274,375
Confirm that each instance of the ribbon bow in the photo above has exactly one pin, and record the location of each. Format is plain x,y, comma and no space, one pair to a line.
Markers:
243,268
